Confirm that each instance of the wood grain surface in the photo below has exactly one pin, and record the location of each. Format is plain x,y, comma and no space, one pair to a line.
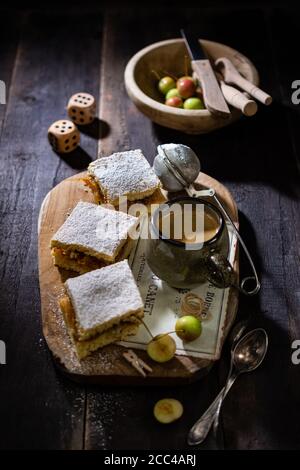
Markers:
47,55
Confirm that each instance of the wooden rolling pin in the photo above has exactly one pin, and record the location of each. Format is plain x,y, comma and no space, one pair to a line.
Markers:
232,76
235,97
238,100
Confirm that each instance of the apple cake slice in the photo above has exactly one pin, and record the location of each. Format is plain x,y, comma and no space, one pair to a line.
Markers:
101,307
124,174
93,237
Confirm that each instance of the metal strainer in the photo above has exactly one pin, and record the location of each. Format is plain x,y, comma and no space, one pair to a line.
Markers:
177,166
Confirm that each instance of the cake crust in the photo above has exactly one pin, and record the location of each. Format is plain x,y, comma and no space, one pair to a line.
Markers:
124,174
111,335
82,263
155,198
95,231
104,297
101,307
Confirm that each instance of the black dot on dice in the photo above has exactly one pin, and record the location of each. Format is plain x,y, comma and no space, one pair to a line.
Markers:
79,96
69,127
74,137
74,144
81,120
80,101
81,112
88,98
62,130
57,127
67,147
76,100
74,110
66,141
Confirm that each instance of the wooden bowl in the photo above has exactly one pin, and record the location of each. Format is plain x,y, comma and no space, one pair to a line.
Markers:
169,56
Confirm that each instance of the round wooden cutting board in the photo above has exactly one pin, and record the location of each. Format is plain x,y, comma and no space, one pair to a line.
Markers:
107,365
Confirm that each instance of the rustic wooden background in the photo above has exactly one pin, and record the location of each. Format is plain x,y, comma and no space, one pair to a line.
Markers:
45,56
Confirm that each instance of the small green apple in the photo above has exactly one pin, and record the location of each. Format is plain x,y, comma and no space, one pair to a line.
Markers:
193,103
165,84
161,348
188,328
167,410
171,93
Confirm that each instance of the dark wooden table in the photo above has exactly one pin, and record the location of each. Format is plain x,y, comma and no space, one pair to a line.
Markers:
47,55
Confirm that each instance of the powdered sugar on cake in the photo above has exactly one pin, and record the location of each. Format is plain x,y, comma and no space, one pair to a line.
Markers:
104,294
95,229
124,174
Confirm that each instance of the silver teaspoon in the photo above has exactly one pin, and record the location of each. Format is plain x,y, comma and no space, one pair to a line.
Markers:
210,414
246,356
214,409
236,333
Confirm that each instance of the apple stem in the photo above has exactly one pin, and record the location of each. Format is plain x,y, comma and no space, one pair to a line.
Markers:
147,328
156,74
160,336
168,333
170,74
186,67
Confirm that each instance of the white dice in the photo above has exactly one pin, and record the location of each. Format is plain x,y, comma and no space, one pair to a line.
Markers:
82,108
63,136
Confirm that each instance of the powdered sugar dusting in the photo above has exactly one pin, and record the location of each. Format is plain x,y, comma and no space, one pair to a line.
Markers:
99,363
104,294
95,228
124,174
